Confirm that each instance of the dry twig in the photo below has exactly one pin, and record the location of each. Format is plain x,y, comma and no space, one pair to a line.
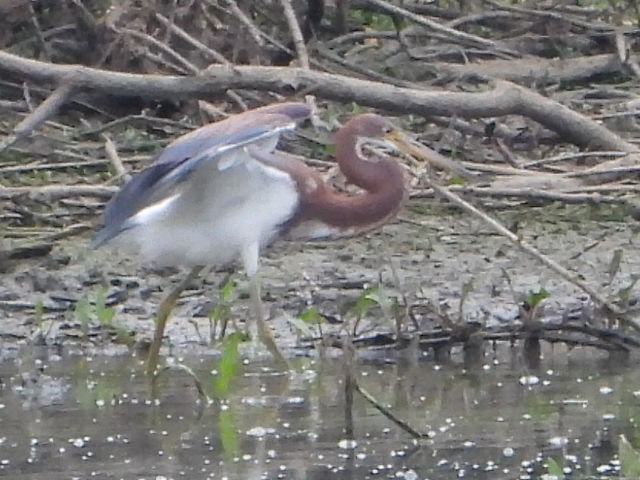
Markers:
450,33
45,110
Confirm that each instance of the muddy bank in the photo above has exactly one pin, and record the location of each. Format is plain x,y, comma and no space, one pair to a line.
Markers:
438,256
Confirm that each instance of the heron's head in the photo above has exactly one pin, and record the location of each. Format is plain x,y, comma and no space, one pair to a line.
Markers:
371,125
371,128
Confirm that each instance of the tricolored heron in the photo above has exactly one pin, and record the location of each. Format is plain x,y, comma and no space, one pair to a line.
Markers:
223,192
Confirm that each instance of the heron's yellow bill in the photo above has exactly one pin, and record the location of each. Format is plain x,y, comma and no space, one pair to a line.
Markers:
422,152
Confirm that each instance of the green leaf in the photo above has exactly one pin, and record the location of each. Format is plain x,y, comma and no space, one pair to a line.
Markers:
457,180
229,362
123,336
228,433
105,314
330,149
534,298
367,299
227,291
467,288
629,459
218,312
311,315
39,311
356,109
301,327
83,311
554,468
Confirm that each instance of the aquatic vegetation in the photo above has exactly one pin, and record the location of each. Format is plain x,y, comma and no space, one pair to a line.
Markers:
229,362
93,310
629,458
221,312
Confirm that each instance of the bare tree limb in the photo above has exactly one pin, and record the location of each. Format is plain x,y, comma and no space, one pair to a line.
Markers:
505,99
528,70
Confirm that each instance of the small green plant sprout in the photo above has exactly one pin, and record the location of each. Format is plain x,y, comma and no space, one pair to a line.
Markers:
375,296
38,313
554,470
311,316
88,311
532,302
535,298
356,109
194,324
529,303
83,313
103,313
620,292
457,180
227,426
629,459
221,313
229,362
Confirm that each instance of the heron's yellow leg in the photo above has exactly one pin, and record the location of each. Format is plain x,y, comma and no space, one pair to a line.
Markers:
264,332
164,310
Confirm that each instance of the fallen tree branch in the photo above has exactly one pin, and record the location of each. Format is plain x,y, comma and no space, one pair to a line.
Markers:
54,192
528,194
45,110
505,99
528,70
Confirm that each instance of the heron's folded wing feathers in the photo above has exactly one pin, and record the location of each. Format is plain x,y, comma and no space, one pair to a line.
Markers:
165,178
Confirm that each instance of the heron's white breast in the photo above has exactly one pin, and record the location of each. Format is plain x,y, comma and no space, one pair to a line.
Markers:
218,214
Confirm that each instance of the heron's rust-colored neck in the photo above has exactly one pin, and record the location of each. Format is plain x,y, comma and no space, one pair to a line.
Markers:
348,215
323,212
366,174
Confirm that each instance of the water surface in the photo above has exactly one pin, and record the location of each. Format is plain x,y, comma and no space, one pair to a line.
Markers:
64,415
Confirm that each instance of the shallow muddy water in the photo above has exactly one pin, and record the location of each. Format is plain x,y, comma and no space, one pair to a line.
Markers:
67,415
82,407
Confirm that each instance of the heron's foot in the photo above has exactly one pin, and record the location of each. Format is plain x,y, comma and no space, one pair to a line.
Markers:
164,311
254,349
259,329
261,344
154,349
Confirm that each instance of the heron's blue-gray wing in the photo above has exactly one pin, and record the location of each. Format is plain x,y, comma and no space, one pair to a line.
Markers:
164,179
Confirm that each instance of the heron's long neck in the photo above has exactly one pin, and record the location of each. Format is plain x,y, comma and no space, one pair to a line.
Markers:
363,173
340,215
